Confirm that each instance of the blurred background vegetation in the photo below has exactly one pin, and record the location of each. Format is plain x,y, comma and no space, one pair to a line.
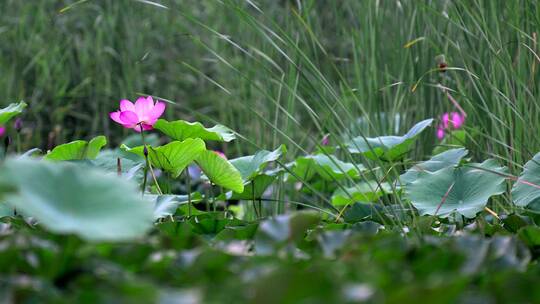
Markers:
278,71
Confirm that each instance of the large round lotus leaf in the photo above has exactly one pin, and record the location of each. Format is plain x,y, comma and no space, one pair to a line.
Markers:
181,130
173,157
220,171
445,159
362,192
527,188
77,150
252,165
467,189
328,167
387,148
11,111
69,198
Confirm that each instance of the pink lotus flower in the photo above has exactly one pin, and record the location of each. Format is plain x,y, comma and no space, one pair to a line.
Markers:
449,120
445,118
457,120
440,132
139,116
2,131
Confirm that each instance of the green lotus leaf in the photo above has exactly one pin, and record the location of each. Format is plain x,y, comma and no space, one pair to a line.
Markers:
526,190
11,111
253,165
328,167
445,159
387,148
220,171
181,130
464,190
69,198
363,192
173,157
77,150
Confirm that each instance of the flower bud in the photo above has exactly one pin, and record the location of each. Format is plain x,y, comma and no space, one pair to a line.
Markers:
145,151
18,125
325,140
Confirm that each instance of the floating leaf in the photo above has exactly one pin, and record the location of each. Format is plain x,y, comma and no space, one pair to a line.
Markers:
77,150
527,188
328,167
387,148
445,159
67,198
173,157
252,165
465,190
362,192
181,130
220,171
11,111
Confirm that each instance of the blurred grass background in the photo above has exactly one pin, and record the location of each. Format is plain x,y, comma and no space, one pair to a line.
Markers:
279,71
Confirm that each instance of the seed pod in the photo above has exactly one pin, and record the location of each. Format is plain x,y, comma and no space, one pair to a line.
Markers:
18,125
145,151
441,63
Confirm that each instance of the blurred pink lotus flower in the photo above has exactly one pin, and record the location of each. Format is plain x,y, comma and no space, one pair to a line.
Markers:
445,118
139,116
2,131
457,120
325,140
452,120
221,154
440,132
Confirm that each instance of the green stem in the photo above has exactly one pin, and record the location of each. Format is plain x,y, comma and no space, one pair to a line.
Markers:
188,183
18,143
213,197
148,166
253,199
145,152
